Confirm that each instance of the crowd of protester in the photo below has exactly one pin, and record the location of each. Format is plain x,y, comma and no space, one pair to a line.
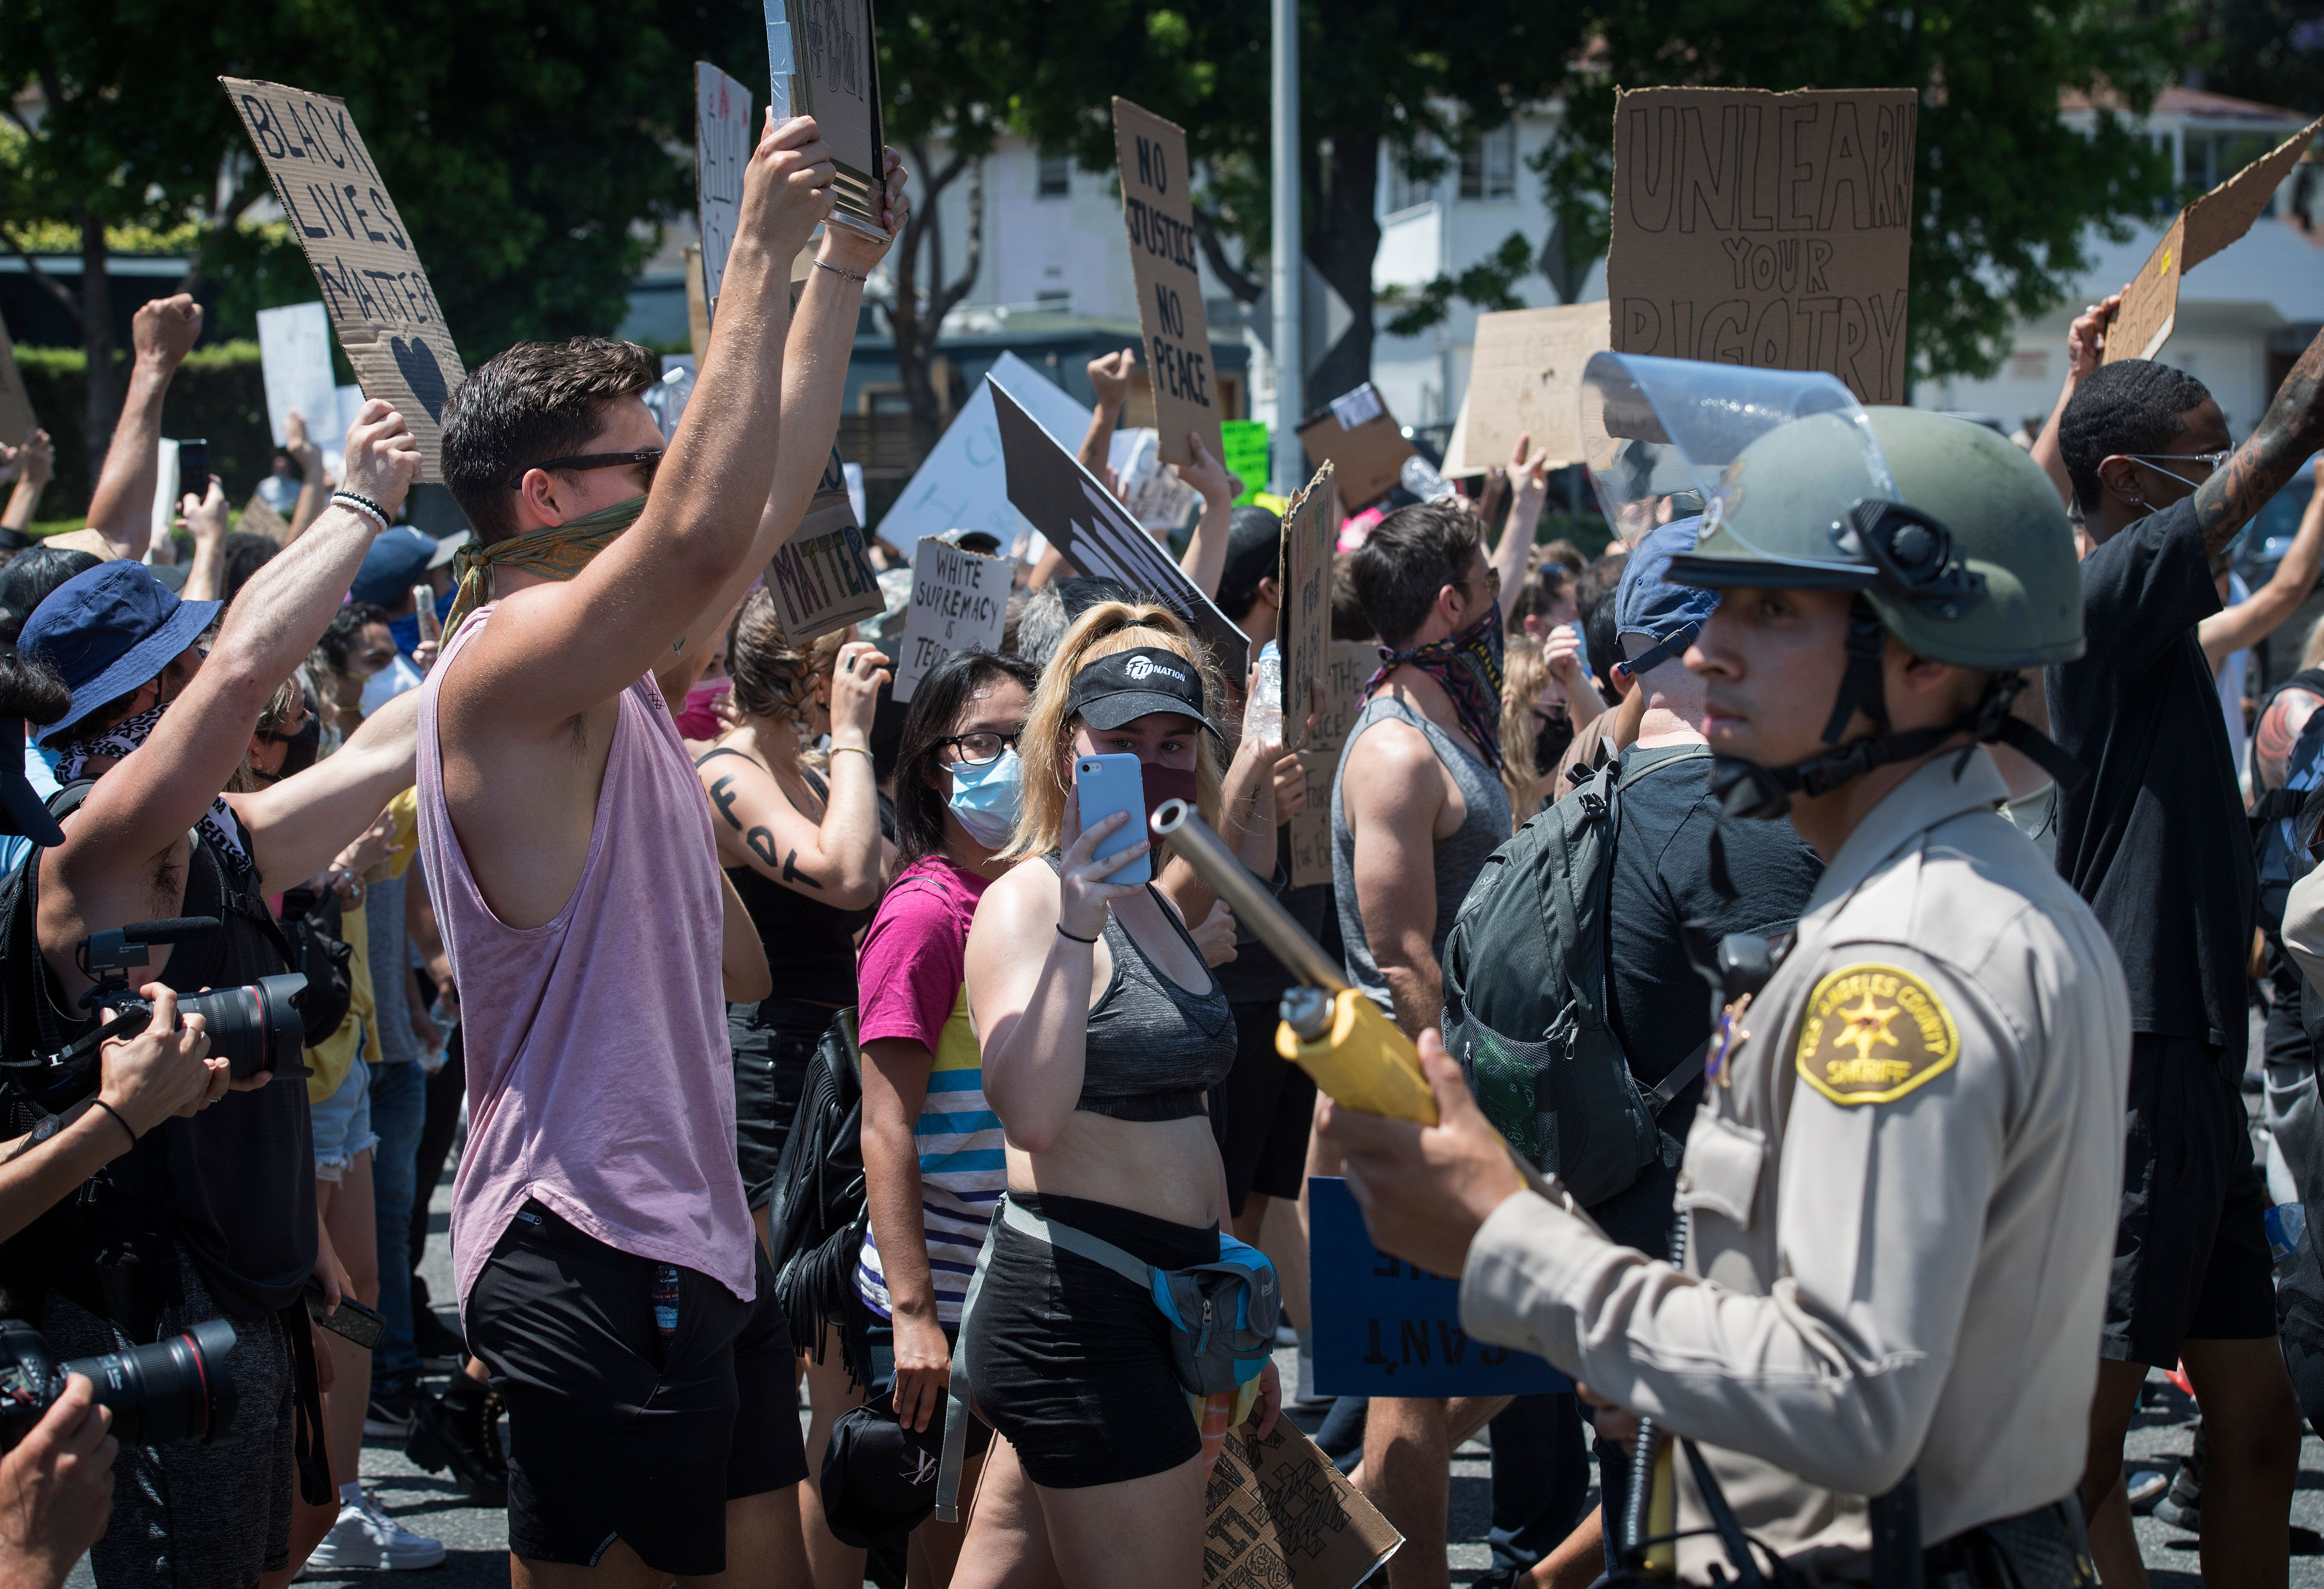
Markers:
654,914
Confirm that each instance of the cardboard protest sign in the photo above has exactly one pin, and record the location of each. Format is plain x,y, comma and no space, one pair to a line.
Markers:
963,484
2150,303
259,518
832,63
1525,380
17,420
1773,230
1310,861
1303,619
1157,205
294,356
1280,1516
1361,440
960,600
721,152
1154,495
1347,665
373,284
1387,1327
822,578
1097,535
1246,456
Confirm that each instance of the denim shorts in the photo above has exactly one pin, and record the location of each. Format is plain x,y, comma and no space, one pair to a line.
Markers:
343,1124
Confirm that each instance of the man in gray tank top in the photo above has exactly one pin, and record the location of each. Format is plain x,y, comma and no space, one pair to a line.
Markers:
1416,808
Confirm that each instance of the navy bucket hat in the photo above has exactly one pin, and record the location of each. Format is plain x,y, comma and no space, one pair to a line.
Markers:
107,630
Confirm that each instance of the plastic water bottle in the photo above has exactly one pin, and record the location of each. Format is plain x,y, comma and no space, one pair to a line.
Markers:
1420,478
2286,1223
1262,714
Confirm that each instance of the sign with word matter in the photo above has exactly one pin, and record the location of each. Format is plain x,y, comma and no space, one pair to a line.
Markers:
1773,230
1157,205
822,578
1387,1327
380,305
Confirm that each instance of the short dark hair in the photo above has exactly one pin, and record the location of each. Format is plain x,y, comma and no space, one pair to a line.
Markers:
2133,405
538,400
244,555
29,577
1349,619
346,624
30,689
944,692
1254,552
1601,632
1411,555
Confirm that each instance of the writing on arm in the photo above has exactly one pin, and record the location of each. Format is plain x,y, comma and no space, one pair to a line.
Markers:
761,840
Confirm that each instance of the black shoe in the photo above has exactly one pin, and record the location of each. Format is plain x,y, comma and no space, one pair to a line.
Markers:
461,1430
439,1346
389,1417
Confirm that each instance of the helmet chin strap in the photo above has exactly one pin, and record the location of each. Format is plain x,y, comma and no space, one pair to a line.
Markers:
1747,789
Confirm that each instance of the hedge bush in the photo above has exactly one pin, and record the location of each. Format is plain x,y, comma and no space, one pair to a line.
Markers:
218,393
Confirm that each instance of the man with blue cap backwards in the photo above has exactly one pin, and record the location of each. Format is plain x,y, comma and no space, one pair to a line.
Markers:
1878,1348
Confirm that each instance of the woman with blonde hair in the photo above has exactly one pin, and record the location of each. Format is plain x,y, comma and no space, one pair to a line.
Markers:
1102,1029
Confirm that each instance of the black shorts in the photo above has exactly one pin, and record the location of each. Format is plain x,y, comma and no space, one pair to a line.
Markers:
774,1042
1261,1113
1070,1362
612,1434
2190,1258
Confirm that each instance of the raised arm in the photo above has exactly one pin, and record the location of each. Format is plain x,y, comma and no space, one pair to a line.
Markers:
206,522
1206,562
2085,346
158,790
821,337
36,461
2253,619
297,825
1109,376
313,489
2291,430
1529,477
121,510
555,651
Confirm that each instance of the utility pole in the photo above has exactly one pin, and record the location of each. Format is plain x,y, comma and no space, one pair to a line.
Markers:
1290,459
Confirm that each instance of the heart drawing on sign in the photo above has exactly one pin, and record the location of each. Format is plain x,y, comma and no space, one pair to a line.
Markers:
417,363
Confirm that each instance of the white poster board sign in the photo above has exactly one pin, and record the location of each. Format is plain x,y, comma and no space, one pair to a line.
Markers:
294,356
960,600
963,484
721,148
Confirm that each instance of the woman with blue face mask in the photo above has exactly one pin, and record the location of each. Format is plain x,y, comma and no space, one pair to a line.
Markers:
932,1163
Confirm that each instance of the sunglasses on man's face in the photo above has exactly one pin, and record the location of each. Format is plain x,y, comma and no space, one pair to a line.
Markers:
649,458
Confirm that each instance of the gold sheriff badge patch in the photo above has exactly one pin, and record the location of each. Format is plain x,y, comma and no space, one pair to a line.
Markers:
1873,1033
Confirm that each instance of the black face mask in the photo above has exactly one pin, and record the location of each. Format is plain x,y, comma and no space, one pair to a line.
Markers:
297,749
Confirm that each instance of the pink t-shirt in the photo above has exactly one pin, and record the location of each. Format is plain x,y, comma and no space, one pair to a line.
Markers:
600,1078
915,953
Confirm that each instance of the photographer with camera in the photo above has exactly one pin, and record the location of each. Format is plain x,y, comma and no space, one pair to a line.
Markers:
56,1490
216,1214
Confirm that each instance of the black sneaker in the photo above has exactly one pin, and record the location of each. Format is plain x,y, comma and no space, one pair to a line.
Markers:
461,1430
389,1417
439,1346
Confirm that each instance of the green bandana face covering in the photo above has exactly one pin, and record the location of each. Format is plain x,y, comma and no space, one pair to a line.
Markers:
557,552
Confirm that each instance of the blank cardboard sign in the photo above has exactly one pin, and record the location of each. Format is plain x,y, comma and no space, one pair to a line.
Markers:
2149,302
381,307
1773,230
1304,611
1157,205
1525,380
1362,442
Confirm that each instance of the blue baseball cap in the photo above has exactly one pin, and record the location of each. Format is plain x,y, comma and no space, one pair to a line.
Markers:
1647,603
397,560
107,630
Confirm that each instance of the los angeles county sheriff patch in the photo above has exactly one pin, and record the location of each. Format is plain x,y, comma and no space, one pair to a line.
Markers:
1873,1033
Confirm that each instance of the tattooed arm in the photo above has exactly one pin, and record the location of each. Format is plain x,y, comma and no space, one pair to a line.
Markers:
2292,429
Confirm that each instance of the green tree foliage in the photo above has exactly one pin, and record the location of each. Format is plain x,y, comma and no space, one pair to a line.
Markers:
2003,197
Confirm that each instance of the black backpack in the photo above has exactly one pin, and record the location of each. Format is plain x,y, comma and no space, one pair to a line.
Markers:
816,1222
311,928
1525,996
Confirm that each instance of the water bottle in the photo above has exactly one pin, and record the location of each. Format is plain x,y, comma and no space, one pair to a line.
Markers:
2286,1223
1262,714
1419,476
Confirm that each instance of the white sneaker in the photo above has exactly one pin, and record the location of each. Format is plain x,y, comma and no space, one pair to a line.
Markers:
366,1537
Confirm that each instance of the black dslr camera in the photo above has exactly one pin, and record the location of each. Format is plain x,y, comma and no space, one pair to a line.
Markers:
253,1027
176,1389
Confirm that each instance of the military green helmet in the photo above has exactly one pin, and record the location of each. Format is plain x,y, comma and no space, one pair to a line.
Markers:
1956,538
1970,561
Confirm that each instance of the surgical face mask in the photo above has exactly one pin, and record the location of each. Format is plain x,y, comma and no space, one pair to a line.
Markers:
985,798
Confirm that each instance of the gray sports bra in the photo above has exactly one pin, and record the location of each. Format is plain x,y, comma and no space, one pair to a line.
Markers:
1152,1048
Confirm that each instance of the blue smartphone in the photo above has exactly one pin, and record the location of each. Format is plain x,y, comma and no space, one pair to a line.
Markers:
1107,784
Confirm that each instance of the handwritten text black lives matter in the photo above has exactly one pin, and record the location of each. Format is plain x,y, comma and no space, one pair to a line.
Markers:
1769,230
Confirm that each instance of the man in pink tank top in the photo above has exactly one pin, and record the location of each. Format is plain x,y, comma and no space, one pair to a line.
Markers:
609,1275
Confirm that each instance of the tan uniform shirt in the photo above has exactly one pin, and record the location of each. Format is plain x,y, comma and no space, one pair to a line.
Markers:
1900,1193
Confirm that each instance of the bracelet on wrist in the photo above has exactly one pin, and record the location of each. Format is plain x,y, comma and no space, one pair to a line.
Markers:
857,749
363,505
836,271
117,1115
1075,937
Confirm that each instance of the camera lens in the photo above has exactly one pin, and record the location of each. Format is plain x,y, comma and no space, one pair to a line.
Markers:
175,1390
253,1027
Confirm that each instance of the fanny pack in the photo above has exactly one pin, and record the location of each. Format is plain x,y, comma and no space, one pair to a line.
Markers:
1222,1318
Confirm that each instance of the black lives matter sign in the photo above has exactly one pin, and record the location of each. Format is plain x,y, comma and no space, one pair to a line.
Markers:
1773,230
380,305
1158,206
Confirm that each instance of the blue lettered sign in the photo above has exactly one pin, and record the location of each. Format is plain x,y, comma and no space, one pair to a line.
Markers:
1387,1327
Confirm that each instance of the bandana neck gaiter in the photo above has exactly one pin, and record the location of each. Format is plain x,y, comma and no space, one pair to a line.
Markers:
1468,666
555,552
